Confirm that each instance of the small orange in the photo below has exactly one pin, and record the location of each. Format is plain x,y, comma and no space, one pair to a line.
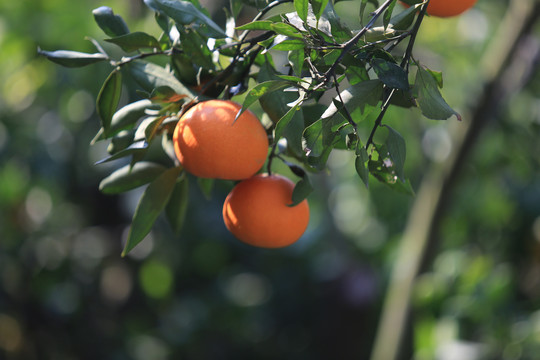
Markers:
209,143
448,8
257,211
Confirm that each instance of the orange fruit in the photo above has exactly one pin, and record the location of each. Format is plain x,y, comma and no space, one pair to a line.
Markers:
257,211
210,144
448,8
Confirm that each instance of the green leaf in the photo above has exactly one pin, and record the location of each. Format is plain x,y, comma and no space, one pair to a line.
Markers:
135,149
130,177
287,30
360,99
127,116
318,7
150,76
69,58
301,191
360,163
302,7
260,90
206,186
265,25
120,141
286,43
112,25
390,74
185,13
397,150
404,19
284,121
177,206
387,16
429,99
151,204
135,41
108,98
296,60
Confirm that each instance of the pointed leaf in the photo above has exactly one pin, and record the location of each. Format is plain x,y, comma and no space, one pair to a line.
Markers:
318,7
301,191
185,13
69,58
130,177
390,74
135,41
108,98
111,24
151,204
360,164
301,7
265,25
135,149
429,98
178,204
387,16
260,90
150,76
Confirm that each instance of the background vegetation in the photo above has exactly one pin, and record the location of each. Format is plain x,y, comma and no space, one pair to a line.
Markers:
66,293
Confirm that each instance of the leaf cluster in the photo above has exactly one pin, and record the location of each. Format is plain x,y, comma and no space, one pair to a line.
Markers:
364,70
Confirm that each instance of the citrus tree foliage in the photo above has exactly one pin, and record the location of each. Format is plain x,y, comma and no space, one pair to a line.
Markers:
331,92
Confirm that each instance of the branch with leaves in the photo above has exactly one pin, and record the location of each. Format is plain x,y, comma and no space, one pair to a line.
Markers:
364,67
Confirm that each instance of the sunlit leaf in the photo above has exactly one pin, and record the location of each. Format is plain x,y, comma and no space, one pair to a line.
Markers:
69,58
134,149
185,13
301,7
318,7
151,204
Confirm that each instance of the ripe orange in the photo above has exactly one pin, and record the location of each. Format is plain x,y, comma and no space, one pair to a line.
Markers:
210,144
257,212
448,8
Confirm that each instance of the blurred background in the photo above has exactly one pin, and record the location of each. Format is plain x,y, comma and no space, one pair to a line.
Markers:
65,292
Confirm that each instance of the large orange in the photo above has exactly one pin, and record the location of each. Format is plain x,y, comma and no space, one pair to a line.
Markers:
210,144
448,8
257,211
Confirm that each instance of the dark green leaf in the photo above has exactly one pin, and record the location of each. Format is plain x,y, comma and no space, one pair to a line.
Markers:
360,164
128,115
72,58
135,41
301,7
134,149
185,13
429,98
390,74
130,177
296,60
284,121
150,76
111,24
260,90
404,19
301,191
397,150
120,141
177,206
206,186
151,204
108,98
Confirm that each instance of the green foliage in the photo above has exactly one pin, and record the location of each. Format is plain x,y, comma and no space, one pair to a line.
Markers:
194,59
